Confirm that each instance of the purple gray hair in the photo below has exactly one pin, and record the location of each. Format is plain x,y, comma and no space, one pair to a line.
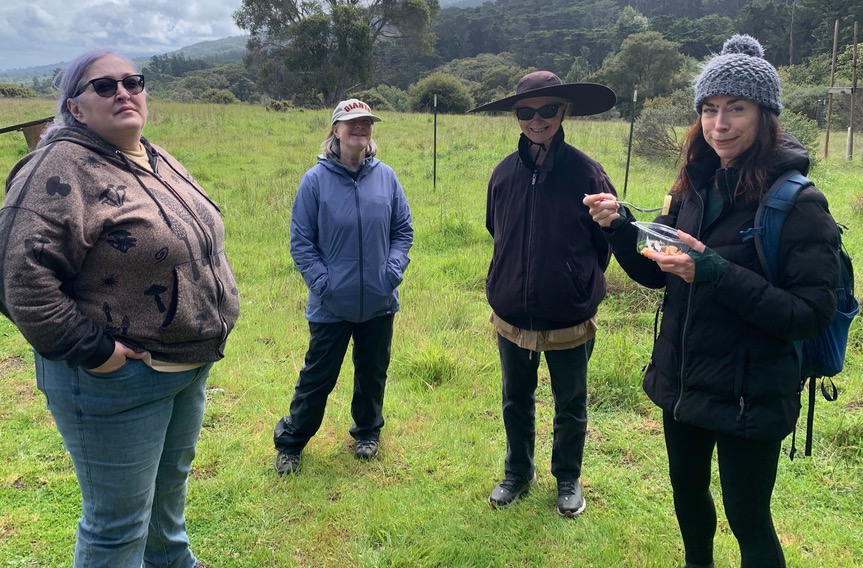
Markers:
67,83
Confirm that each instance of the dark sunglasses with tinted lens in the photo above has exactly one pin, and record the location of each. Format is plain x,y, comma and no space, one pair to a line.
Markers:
547,111
107,86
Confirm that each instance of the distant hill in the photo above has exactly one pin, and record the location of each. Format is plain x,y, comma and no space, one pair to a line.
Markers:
27,73
215,52
462,3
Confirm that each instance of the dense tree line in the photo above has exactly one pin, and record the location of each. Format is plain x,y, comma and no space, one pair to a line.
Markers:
175,64
556,32
308,52
396,52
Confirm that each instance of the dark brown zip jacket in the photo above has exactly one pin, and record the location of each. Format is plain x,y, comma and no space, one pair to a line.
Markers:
547,267
95,248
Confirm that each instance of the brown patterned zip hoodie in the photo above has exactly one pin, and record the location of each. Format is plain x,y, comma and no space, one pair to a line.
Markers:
95,248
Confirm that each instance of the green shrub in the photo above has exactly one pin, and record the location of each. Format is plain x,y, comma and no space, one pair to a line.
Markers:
453,94
654,135
14,91
180,95
679,105
219,96
280,106
802,99
498,82
804,128
473,69
374,99
397,98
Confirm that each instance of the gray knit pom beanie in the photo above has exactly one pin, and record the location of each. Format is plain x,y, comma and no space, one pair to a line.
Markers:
740,70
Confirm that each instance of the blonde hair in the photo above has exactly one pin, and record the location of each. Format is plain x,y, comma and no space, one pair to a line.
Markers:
332,149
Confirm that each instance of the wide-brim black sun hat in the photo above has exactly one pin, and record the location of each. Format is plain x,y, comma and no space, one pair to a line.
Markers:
585,98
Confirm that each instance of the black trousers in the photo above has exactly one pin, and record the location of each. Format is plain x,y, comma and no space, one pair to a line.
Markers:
747,474
568,370
328,344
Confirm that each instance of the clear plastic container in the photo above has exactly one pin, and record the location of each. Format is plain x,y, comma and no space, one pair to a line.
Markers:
659,238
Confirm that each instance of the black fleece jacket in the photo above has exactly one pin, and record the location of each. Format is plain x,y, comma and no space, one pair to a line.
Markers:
547,268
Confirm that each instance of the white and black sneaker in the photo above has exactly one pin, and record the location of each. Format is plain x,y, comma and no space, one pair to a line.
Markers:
570,501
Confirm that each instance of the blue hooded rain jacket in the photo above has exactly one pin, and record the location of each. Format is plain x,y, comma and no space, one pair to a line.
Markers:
350,240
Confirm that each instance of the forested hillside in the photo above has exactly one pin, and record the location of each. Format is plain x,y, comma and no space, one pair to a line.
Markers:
557,31
396,52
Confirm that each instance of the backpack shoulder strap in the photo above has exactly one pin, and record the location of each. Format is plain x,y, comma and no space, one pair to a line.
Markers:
770,217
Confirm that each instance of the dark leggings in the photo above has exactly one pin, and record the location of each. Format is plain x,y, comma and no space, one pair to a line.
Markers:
747,474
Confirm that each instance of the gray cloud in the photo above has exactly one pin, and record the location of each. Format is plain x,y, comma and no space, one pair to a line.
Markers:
44,32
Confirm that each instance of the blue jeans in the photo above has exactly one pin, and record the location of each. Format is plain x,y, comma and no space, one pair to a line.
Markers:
328,344
568,371
131,434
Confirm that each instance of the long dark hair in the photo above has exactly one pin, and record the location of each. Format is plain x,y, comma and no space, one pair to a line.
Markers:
752,164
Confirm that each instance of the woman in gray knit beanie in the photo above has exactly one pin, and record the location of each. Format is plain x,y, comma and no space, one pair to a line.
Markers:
723,369
740,70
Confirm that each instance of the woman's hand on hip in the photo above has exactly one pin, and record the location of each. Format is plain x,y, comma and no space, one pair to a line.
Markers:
118,358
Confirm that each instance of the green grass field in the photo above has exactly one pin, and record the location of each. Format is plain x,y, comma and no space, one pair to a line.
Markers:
423,502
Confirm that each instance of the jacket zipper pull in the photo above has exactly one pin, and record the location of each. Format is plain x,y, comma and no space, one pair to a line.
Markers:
742,406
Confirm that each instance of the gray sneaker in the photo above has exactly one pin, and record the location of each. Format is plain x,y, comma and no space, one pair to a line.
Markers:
509,491
570,501
287,463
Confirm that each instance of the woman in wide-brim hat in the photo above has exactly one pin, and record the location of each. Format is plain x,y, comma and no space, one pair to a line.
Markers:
546,278
585,98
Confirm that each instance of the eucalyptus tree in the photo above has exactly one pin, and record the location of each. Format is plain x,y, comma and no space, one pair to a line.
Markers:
647,62
316,51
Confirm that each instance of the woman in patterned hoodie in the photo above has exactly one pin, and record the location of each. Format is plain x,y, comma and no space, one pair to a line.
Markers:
112,266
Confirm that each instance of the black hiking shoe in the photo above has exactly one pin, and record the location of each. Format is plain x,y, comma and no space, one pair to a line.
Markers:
570,501
287,463
366,449
509,490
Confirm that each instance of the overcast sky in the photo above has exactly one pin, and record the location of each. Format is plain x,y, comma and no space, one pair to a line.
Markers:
44,32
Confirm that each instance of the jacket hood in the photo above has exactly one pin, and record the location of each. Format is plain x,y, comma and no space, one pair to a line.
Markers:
790,154
337,167
85,137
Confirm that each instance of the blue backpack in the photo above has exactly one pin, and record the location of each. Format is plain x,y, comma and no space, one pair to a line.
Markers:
823,356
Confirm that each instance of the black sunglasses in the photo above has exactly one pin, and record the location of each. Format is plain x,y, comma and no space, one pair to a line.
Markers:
107,86
547,111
